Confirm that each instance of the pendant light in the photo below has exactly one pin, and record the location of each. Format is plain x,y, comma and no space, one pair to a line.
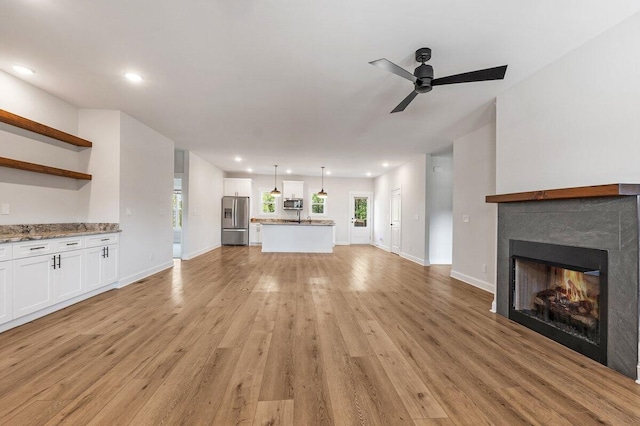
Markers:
322,194
275,192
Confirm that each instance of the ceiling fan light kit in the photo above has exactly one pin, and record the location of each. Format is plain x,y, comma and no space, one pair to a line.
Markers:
422,77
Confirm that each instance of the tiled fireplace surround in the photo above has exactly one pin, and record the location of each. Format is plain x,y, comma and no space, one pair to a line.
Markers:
604,217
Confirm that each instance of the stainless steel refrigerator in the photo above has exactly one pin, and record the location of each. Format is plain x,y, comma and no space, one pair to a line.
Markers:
235,221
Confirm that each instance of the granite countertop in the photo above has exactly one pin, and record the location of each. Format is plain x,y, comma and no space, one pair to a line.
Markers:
16,233
293,222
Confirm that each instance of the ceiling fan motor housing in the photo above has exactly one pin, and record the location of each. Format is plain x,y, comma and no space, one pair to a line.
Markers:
424,74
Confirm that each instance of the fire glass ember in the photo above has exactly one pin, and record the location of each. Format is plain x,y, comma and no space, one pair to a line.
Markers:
563,298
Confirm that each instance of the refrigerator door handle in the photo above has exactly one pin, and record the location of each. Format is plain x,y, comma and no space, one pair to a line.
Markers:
235,212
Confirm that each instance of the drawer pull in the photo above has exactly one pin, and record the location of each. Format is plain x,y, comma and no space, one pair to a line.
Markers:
72,244
105,239
37,248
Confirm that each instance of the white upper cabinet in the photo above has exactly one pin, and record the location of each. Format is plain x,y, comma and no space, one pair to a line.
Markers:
292,189
237,187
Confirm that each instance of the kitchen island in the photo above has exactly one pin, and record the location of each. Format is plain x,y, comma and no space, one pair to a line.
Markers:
306,236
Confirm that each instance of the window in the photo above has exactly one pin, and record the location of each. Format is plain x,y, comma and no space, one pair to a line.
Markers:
177,209
268,205
318,205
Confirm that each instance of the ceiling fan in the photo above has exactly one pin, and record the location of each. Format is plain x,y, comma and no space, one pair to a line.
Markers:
423,80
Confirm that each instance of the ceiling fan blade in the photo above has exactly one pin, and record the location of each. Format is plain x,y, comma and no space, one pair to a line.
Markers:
402,105
496,73
391,67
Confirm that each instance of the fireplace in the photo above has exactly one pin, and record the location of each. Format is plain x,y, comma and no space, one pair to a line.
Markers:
597,232
561,292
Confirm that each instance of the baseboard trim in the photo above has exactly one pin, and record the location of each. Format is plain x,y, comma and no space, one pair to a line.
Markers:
143,274
197,253
491,288
382,246
412,258
440,261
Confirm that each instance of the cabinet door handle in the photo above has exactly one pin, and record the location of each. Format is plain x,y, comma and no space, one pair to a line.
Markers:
107,247
54,261
37,248
59,260
104,252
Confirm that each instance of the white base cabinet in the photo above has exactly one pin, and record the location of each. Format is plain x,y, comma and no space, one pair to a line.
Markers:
42,276
101,264
68,277
255,233
32,284
6,287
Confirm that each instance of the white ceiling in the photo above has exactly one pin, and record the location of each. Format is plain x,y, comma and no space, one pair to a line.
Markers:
288,81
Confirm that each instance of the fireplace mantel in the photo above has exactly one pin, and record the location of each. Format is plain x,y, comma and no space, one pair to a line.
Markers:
610,190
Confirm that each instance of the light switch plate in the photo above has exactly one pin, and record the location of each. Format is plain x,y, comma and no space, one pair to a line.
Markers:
465,218
6,208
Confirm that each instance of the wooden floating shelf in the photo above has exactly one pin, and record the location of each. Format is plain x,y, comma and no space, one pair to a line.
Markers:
38,168
611,190
33,126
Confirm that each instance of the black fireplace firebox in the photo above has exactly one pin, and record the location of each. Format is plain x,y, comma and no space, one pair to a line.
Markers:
561,292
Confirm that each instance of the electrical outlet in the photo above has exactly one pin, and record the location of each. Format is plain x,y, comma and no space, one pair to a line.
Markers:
465,218
484,268
151,256
6,208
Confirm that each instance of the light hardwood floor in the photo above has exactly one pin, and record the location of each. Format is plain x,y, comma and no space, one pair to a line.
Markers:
360,336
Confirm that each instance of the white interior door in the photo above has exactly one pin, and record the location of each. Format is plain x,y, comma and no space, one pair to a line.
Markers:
396,215
360,211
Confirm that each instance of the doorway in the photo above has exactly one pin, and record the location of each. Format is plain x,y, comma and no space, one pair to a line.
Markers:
395,220
177,218
360,211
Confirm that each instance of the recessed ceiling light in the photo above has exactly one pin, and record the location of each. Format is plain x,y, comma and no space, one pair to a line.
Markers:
133,77
288,171
250,170
368,173
385,164
23,70
238,159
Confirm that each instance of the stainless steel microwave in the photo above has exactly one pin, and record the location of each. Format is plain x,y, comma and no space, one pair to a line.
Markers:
292,204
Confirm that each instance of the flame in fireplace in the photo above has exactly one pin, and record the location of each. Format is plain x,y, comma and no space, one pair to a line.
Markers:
575,287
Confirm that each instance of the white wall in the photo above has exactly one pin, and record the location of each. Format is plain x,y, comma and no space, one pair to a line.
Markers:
101,196
474,242
21,98
411,179
439,209
338,208
202,197
146,188
576,122
426,186
33,197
